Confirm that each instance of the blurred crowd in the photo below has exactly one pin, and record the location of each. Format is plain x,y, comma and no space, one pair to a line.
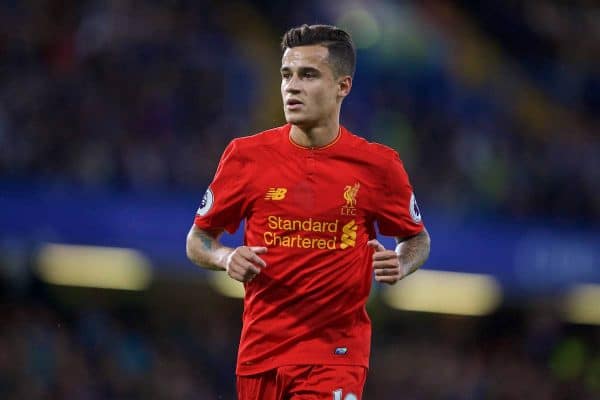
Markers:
493,106
138,346
168,348
122,94
145,95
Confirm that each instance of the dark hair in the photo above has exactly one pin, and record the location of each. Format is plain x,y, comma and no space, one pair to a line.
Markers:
342,55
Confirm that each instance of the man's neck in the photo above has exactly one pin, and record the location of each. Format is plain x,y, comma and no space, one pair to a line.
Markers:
318,136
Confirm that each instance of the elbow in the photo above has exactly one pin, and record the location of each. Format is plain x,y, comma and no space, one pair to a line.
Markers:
427,245
422,247
189,247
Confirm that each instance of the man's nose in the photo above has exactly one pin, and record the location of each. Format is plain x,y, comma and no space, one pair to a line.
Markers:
292,86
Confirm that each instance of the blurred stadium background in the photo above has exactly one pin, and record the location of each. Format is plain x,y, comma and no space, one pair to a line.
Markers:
113,115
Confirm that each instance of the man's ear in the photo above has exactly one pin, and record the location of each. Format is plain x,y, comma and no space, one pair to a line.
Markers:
344,85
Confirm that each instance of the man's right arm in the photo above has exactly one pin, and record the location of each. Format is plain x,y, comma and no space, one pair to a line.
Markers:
204,249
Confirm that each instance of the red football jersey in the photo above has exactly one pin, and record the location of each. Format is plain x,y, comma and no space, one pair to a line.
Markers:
314,209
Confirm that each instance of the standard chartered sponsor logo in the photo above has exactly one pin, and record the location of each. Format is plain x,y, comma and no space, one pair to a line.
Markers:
348,235
284,232
307,225
273,239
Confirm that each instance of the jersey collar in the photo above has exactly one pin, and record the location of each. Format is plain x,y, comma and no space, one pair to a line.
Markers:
288,128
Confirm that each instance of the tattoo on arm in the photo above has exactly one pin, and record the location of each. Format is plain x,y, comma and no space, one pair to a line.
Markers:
206,240
413,251
204,249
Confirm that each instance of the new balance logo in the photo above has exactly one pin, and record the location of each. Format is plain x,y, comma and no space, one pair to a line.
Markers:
276,194
348,235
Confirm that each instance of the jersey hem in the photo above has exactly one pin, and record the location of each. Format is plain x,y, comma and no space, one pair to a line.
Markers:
245,370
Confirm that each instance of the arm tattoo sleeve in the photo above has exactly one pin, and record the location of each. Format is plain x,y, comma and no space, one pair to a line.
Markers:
204,249
207,241
413,252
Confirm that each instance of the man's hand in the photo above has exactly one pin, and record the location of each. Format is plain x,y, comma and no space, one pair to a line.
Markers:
243,264
386,264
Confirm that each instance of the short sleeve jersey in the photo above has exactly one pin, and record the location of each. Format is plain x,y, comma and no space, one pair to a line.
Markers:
315,210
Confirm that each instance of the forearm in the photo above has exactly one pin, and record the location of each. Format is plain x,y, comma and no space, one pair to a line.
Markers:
413,252
204,249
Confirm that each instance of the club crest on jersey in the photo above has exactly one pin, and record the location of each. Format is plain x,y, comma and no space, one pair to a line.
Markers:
206,203
415,213
350,193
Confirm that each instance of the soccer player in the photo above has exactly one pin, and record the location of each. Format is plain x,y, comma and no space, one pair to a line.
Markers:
311,193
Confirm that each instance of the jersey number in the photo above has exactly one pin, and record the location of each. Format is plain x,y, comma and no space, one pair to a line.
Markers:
337,395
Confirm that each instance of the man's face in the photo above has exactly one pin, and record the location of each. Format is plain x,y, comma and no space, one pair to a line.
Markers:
309,89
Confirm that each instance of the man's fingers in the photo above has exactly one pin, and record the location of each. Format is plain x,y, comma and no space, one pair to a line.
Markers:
241,268
386,266
385,255
248,266
258,249
249,253
387,279
256,259
387,271
374,243
244,271
244,264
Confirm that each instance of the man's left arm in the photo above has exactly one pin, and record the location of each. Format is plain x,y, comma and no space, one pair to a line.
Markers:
390,266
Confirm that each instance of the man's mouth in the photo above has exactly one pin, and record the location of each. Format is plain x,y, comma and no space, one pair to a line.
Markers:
293,104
